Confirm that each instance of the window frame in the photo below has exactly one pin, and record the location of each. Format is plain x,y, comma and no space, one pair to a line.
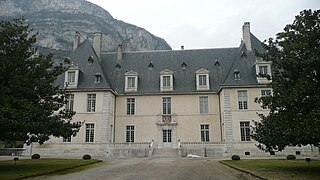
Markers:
205,132
131,81
244,130
130,106
69,106
91,102
130,133
265,95
203,105
164,76
91,134
66,140
243,104
201,82
166,106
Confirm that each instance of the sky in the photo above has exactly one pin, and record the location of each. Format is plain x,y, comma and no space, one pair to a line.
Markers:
198,24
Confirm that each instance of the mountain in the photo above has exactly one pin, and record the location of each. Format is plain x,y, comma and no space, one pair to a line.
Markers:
58,20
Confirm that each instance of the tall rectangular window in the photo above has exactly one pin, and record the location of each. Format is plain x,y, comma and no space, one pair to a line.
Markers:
166,81
166,105
265,93
202,80
70,102
242,99
245,131
130,106
91,102
204,129
67,139
131,82
203,102
71,77
89,132
263,70
129,133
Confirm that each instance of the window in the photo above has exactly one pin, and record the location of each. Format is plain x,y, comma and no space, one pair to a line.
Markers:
265,93
263,70
203,102
70,102
129,133
97,78
131,81
167,136
130,106
71,77
202,79
91,102
242,100
204,129
166,105
166,81
236,74
66,139
89,132
245,131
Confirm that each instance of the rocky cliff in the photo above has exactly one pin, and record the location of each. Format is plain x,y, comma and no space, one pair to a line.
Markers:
58,20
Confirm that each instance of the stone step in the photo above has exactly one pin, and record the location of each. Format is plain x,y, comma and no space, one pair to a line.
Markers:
165,153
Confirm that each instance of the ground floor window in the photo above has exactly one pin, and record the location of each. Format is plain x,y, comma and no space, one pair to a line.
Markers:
167,135
89,132
67,139
204,129
245,131
130,133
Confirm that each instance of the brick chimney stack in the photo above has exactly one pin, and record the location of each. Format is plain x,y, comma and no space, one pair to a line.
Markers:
97,43
76,40
246,35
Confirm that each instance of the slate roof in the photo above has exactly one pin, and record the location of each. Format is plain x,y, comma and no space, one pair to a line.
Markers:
220,62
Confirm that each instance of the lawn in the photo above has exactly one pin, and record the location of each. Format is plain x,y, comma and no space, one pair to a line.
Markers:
279,168
34,167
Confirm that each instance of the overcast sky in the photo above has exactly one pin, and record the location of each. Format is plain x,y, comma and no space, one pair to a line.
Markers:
198,24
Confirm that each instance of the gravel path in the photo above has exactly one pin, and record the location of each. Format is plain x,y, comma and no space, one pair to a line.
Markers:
155,168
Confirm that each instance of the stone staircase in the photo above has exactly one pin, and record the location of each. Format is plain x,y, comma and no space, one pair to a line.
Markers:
165,153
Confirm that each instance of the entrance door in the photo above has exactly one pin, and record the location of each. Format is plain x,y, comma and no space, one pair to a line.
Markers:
166,138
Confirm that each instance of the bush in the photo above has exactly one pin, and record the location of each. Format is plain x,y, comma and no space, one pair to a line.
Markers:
235,157
35,156
291,157
86,157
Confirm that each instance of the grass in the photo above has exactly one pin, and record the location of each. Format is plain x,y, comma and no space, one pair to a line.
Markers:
279,168
35,167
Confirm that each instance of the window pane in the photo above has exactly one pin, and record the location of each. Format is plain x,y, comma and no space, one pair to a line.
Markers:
130,106
245,131
202,80
129,133
70,102
166,105
203,101
131,82
91,103
71,76
204,131
242,100
263,70
166,81
89,133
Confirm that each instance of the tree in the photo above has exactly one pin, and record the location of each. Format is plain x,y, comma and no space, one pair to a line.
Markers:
30,103
294,117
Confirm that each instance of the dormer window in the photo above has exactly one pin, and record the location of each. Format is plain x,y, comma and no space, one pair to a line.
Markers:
236,74
97,78
71,77
263,71
166,80
202,79
131,81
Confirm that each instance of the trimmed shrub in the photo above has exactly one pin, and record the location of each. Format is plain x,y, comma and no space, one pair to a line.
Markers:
86,157
291,157
35,156
235,157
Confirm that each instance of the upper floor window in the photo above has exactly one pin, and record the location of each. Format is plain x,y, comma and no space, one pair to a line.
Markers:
131,81
203,102
130,106
263,71
91,102
166,105
71,76
242,99
166,80
70,102
265,93
202,79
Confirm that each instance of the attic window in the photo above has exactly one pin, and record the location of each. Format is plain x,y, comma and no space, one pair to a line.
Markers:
67,60
90,59
151,65
217,63
97,78
118,66
236,74
243,54
202,79
183,65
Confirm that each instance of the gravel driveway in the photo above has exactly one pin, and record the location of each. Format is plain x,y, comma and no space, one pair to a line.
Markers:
156,168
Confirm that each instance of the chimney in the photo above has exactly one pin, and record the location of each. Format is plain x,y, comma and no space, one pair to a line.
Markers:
76,40
246,36
182,47
97,43
120,51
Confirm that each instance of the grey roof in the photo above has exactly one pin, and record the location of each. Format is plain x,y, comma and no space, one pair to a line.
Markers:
221,64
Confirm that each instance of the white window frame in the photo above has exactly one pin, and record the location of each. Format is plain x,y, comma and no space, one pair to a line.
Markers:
203,108
70,102
133,75
66,140
130,135
130,106
243,104
265,93
91,102
201,73
245,137
166,74
166,112
74,83
90,133
206,133
261,63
